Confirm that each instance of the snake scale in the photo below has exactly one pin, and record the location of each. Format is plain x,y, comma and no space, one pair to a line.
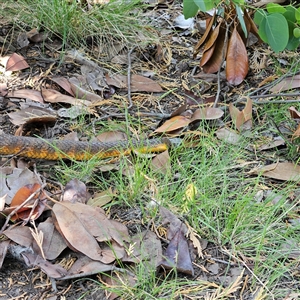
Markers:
53,149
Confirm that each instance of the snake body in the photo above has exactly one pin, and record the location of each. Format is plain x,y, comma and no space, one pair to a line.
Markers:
49,149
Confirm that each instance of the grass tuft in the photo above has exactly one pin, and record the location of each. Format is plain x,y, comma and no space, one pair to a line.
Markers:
104,26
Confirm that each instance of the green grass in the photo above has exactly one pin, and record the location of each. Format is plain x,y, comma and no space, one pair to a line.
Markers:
223,210
105,27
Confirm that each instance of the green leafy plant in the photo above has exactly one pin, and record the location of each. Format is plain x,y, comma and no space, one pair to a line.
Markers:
227,31
279,26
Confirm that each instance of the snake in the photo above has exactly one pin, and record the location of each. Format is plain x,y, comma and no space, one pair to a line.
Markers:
57,149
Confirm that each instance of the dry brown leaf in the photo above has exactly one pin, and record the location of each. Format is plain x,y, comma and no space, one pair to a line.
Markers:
236,59
86,266
287,83
207,113
179,110
53,243
241,117
12,179
228,135
111,252
27,94
177,122
64,83
52,270
272,144
34,36
296,134
205,36
214,63
20,235
280,171
253,27
82,93
124,278
147,247
111,136
54,96
207,54
100,199
161,162
138,83
16,62
89,224
177,254
21,196
70,226
32,114
295,114
210,45
3,250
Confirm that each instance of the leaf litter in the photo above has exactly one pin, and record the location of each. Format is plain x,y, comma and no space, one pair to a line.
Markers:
115,249
102,240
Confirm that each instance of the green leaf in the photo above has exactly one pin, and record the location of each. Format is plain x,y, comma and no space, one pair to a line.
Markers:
262,31
239,2
190,9
277,31
296,32
293,43
205,5
275,8
259,16
290,13
241,19
297,15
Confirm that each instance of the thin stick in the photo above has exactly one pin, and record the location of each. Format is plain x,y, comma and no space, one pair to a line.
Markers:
129,79
271,101
35,204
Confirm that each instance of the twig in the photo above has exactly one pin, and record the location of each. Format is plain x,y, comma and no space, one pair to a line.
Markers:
35,204
275,95
129,79
276,101
271,101
21,205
